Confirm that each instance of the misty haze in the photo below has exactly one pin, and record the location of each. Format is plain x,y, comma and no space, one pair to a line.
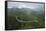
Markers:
25,15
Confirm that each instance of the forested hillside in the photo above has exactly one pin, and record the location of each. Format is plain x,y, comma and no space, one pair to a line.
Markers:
35,17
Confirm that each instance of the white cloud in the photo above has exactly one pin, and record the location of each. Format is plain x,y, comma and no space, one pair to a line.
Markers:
25,5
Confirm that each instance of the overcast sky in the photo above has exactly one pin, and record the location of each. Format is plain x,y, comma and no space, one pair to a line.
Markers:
25,5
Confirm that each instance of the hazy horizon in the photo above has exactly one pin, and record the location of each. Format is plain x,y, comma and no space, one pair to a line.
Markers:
21,5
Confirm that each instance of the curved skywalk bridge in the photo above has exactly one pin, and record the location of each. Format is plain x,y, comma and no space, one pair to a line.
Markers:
24,21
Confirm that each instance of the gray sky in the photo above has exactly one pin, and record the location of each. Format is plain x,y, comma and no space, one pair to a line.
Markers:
25,5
